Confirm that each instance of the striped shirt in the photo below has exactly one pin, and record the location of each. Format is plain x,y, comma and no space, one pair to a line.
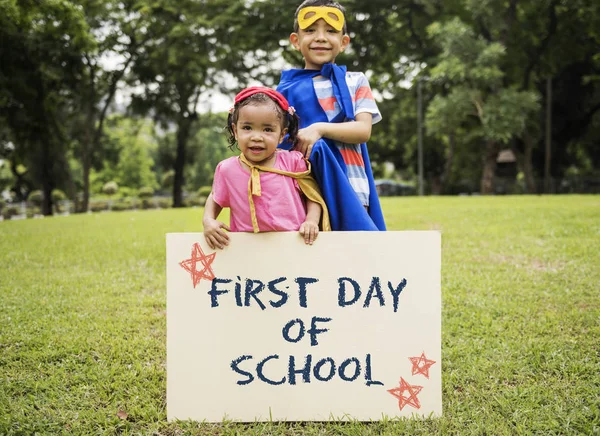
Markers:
363,101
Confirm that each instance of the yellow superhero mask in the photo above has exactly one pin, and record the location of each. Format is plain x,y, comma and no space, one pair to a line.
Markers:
332,16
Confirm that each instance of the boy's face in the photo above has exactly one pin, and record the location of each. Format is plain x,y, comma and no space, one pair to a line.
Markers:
319,44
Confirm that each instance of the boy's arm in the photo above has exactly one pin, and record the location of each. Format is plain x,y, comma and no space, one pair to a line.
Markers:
349,132
310,227
213,230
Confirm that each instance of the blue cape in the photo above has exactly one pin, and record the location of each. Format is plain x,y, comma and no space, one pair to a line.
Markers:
345,209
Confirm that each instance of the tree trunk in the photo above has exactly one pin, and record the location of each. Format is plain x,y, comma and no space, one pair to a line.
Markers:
448,164
524,162
489,167
528,166
86,182
183,132
436,185
548,153
46,173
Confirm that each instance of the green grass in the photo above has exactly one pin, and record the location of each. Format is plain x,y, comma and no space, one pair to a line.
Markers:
82,321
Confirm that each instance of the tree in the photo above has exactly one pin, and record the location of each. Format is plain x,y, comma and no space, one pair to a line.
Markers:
189,51
119,30
44,42
470,67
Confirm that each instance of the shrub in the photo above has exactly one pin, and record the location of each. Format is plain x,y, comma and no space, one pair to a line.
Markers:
198,201
147,203
97,206
36,197
168,178
204,191
2,204
110,188
126,192
30,212
146,192
9,212
121,205
164,203
58,195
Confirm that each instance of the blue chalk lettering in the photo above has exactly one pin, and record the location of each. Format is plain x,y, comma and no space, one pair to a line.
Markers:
292,371
342,291
260,374
314,331
396,292
319,365
375,287
234,366
344,365
282,294
286,330
238,292
251,293
214,292
368,376
302,282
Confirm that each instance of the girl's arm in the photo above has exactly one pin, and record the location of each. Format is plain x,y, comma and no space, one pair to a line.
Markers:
349,132
213,230
310,227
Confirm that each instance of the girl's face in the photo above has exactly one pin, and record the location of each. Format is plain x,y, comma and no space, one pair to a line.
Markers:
319,44
258,132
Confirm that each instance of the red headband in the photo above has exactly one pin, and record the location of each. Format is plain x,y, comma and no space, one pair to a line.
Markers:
274,95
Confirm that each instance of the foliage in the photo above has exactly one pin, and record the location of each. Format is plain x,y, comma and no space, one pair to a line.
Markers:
58,195
36,197
44,42
483,67
145,192
204,191
110,188
519,332
167,179
10,211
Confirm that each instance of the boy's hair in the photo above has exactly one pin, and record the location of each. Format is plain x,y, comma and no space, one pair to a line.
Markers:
289,121
330,3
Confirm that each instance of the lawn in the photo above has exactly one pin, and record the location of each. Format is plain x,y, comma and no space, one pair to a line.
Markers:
82,321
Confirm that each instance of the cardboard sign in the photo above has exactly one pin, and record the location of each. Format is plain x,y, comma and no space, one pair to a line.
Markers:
272,329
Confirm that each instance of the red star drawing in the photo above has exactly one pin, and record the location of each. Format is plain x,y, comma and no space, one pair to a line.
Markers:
198,257
411,399
421,365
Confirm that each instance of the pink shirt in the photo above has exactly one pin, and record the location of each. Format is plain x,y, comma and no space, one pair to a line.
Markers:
281,207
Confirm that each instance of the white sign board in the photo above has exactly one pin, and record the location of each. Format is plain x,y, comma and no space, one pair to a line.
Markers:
272,329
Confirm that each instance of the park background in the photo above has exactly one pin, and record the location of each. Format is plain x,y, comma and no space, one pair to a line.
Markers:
120,104
117,105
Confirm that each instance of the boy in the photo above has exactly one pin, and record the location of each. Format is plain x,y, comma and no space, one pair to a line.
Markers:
336,110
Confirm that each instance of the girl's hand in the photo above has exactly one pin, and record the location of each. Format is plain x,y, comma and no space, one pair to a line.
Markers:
215,234
310,231
307,138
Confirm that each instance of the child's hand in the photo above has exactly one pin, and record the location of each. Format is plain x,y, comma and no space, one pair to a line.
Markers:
307,138
310,231
214,234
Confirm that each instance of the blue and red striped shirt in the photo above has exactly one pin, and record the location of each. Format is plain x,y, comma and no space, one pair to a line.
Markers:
363,101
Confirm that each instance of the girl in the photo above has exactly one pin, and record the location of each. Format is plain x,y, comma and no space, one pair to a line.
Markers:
273,199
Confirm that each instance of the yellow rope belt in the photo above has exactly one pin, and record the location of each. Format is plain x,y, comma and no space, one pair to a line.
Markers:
307,185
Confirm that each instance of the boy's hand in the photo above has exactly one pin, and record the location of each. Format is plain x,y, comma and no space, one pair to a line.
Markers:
214,233
307,138
310,231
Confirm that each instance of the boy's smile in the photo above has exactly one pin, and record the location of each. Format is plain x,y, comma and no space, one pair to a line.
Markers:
319,44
